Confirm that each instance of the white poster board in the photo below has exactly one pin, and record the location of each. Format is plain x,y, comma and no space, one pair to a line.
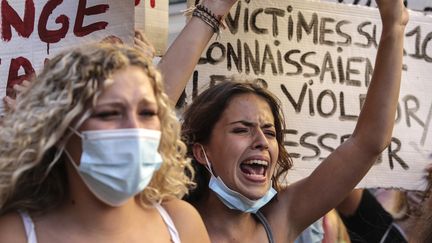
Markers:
152,17
318,59
418,5
34,31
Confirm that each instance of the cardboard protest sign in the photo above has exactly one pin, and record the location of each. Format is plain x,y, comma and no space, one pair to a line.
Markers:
418,5
34,31
151,16
318,58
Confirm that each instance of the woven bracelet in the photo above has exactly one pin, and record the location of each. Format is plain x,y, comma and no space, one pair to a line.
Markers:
208,19
207,16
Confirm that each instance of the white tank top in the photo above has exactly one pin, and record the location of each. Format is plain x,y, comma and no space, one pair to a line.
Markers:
29,227
31,233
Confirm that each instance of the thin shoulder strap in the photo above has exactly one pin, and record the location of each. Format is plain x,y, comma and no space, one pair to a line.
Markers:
266,225
29,227
175,238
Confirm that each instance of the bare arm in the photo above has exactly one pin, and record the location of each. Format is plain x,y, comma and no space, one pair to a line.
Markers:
338,174
179,61
351,203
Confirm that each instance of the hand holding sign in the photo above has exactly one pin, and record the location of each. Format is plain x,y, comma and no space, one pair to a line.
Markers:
10,102
144,45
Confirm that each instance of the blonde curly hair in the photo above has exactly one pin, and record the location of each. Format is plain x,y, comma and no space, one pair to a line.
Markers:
33,137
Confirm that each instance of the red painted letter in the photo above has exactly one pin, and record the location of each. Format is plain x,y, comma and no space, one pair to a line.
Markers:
137,2
81,30
52,36
11,18
14,78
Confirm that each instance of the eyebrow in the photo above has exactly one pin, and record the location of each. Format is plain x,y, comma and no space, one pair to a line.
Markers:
251,124
108,104
120,101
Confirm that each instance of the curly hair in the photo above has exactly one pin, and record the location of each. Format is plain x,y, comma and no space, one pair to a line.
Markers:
33,136
206,110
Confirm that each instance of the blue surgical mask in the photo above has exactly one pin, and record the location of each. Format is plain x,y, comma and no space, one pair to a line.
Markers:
118,164
233,199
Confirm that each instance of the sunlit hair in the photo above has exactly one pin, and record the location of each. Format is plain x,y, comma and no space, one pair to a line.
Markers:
33,137
423,221
423,224
206,110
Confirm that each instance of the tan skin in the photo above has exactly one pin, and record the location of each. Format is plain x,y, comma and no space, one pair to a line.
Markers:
185,51
303,202
129,103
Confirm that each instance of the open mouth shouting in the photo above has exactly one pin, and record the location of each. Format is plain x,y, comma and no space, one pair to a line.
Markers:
255,170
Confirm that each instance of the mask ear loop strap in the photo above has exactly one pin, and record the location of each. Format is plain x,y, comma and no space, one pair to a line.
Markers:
76,132
70,157
67,152
208,167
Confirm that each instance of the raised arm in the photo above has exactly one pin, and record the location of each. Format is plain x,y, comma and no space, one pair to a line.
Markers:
338,174
374,128
179,61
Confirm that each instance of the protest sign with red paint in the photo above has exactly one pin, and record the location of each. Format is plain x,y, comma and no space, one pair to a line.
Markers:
33,31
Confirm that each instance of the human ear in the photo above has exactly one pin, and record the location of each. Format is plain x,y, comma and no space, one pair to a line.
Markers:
198,152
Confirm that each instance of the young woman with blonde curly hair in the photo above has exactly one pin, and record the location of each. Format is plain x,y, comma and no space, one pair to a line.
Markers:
92,154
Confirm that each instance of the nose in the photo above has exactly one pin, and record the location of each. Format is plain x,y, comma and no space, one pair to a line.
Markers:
260,140
132,121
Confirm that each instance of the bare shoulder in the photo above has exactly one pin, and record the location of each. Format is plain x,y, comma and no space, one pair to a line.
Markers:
179,208
187,221
12,228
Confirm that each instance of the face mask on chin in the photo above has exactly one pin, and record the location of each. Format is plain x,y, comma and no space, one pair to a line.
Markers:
118,164
235,200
